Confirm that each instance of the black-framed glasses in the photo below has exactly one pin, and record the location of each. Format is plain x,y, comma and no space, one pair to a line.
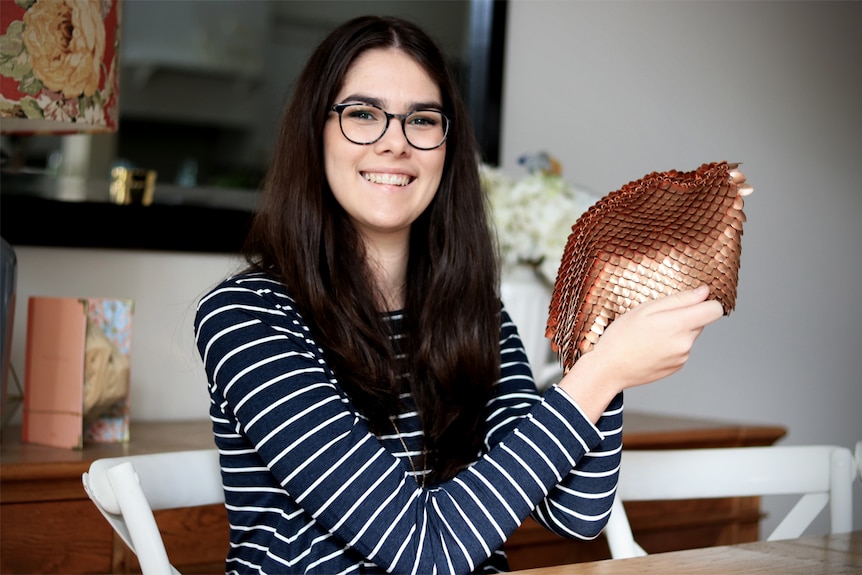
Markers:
364,124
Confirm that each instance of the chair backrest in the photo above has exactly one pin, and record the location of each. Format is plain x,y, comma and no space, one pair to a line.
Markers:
821,474
127,490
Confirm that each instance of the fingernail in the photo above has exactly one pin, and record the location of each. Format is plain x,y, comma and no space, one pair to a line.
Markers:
702,289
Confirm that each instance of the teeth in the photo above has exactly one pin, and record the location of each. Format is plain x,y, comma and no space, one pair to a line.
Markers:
389,179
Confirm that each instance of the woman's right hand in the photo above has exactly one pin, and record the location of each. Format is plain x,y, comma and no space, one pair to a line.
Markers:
645,344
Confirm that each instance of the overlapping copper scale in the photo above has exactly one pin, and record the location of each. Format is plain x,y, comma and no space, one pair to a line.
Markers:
667,232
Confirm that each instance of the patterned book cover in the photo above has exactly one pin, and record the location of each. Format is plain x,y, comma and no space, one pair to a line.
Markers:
107,370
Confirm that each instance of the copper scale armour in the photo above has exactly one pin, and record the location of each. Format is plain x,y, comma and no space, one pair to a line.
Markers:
667,232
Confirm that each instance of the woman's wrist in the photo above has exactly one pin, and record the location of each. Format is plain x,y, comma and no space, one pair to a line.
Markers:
591,385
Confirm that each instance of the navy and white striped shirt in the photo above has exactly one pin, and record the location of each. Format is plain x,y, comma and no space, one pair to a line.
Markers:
309,489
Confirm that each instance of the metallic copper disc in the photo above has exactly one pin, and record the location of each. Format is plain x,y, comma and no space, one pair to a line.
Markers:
667,232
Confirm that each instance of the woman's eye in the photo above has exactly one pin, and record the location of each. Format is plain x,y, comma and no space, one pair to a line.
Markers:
362,114
424,120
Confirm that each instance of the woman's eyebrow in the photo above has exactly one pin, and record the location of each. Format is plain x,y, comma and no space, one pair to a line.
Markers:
364,99
427,106
374,101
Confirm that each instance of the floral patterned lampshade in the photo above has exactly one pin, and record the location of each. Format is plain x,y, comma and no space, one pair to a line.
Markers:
59,68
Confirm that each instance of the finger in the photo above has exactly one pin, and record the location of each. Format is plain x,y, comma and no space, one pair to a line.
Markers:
685,298
707,312
694,319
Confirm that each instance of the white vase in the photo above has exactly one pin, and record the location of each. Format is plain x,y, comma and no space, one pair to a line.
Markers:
527,298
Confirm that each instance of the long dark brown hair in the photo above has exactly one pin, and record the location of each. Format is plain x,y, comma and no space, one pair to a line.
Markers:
451,314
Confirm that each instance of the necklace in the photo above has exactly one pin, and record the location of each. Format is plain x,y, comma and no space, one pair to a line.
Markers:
420,477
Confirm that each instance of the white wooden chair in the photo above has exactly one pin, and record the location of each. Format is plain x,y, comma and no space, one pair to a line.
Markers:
822,474
128,489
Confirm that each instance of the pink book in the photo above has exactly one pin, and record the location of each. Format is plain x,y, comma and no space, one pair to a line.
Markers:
77,371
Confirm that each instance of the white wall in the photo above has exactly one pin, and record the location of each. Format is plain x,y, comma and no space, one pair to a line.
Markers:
619,89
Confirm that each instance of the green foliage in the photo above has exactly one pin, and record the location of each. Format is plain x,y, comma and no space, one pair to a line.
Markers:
14,62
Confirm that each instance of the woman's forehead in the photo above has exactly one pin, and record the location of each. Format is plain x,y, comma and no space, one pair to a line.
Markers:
391,76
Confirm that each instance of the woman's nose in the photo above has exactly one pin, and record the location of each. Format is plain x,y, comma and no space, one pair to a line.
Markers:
393,138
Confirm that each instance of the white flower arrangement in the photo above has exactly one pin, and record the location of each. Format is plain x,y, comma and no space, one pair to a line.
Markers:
533,215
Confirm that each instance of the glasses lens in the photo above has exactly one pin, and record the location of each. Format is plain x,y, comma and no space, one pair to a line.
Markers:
362,124
426,129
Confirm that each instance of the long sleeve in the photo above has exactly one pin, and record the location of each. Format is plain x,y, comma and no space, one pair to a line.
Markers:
579,506
309,489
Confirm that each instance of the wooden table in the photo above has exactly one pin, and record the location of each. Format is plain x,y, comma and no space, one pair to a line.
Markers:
818,555
48,525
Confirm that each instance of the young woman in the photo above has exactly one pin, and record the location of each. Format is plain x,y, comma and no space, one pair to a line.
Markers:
371,400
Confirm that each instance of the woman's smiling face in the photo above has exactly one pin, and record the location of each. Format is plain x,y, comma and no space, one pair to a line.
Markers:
386,185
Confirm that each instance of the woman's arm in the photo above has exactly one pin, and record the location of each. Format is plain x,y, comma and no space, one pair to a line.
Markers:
579,506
